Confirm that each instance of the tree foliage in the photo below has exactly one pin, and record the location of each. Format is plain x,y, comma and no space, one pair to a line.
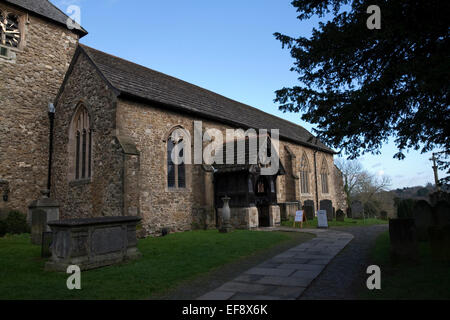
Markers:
362,86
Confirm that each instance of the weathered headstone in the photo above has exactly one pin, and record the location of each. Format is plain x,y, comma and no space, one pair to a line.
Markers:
308,207
327,205
357,210
40,212
46,249
423,219
349,212
403,238
340,215
442,214
93,243
440,233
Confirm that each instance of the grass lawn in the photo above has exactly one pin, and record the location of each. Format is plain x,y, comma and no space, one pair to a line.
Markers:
426,280
166,262
346,223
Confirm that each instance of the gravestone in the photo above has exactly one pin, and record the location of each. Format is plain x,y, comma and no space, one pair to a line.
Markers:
340,215
308,208
442,214
423,219
327,205
349,212
440,233
46,249
92,243
357,210
403,238
40,212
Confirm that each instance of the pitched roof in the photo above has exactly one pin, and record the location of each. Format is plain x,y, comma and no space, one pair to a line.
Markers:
46,9
131,80
249,159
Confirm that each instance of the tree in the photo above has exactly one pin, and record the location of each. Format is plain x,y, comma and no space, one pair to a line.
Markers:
351,171
362,86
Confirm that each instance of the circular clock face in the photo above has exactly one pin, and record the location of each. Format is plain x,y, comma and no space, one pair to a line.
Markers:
9,29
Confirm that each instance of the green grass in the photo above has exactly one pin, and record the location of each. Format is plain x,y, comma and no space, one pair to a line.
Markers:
425,280
166,262
346,223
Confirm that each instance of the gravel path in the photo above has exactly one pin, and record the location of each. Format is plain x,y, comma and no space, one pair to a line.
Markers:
346,275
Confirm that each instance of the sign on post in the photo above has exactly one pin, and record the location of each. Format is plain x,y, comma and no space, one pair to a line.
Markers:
299,218
322,220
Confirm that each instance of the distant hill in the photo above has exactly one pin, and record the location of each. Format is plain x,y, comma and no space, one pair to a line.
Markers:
417,193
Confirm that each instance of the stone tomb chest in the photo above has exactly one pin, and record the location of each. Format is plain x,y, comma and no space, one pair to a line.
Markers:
92,243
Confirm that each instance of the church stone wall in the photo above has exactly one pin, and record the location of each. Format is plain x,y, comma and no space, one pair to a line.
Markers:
184,209
103,194
27,84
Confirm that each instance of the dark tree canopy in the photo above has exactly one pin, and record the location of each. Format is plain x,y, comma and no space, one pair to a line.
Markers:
361,86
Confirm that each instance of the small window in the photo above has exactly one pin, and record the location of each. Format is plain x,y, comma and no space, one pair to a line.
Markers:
176,173
81,145
304,175
324,176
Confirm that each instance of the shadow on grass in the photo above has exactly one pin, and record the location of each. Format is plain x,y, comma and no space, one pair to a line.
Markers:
426,280
166,262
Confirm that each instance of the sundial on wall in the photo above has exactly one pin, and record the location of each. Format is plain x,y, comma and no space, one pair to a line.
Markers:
9,29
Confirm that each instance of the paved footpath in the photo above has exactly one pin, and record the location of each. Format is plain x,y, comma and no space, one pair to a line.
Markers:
287,275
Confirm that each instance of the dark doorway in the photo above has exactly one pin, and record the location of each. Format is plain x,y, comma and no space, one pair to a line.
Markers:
262,200
263,216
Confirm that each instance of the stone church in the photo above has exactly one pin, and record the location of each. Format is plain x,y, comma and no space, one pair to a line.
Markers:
104,149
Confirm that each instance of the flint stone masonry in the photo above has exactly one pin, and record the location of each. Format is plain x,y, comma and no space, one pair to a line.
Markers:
93,243
28,83
288,274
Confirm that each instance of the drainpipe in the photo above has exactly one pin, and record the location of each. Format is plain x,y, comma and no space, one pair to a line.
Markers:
315,177
51,116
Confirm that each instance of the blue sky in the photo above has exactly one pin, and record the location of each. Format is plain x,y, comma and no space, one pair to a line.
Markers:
224,46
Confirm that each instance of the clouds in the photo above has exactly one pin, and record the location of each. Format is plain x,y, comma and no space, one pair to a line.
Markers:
377,165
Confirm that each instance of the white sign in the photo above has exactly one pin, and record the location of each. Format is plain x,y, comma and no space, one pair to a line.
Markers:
322,219
299,216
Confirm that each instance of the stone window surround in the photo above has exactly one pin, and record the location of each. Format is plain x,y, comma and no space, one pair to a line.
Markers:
24,20
324,173
187,168
73,181
308,174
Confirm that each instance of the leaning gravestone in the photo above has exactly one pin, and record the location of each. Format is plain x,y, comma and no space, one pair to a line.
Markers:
327,205
403,238
340,215
423,219
309,209
357,210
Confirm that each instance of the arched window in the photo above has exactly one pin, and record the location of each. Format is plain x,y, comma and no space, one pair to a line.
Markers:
176,173
324,176
10,34
80,145
304,174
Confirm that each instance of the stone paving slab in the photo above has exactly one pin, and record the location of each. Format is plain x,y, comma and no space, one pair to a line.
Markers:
288,274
